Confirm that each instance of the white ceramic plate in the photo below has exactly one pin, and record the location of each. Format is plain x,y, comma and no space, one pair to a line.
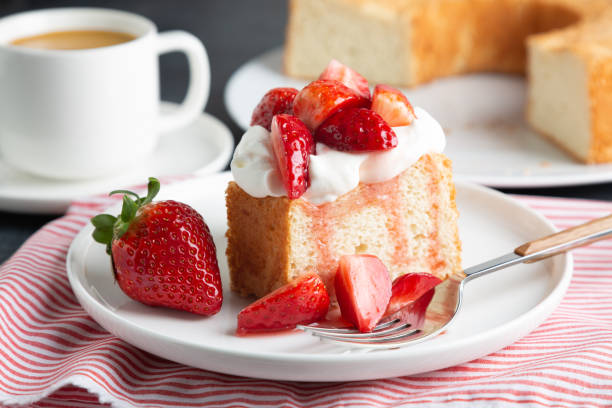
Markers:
499,308
482,114
205,146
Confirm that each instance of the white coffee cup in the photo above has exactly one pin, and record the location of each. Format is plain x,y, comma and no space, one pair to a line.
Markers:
77,114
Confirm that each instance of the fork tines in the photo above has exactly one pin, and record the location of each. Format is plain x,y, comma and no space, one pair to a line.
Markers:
390,331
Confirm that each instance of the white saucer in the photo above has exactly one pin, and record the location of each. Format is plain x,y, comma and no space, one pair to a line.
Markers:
499,308
483,115
203,147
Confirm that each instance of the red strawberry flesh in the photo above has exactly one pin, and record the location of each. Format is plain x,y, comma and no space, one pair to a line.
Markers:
408,288
322,98
393,106
302,301
356,130
363,289
292,144
275,101
413,313
337,71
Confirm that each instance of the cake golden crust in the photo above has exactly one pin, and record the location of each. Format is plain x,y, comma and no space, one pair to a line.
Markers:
257,236
600,87
409,222
453,37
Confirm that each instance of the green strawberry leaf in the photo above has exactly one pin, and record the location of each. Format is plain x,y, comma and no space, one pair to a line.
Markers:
152,190
103,236
109,228
104,221
129,209
124,192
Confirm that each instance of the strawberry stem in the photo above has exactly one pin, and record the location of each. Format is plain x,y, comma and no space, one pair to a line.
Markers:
109,227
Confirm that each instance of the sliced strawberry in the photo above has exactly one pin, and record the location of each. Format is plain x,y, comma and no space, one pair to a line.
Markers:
302,301
363,289
408,288
414,312
293,144
321,98
393,106
356,130
275,101
348,76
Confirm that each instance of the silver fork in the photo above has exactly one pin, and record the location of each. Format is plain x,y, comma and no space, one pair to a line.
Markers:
424,319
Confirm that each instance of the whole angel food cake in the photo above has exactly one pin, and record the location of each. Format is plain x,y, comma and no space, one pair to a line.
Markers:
564,46
331,170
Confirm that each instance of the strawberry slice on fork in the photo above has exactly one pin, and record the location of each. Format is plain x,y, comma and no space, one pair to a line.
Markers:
410,287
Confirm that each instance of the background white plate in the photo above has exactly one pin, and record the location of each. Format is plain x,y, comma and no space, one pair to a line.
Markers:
499,308
482,114
205,146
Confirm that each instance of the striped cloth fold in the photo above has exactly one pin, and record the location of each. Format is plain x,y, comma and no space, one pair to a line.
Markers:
54,355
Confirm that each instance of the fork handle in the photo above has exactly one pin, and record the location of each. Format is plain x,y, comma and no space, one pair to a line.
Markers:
565,240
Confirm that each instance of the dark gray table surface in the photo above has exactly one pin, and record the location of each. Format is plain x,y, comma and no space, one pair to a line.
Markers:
233,31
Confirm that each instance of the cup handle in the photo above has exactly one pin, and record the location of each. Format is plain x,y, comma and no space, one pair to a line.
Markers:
199,77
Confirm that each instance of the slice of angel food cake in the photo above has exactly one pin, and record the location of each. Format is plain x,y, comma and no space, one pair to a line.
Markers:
332,171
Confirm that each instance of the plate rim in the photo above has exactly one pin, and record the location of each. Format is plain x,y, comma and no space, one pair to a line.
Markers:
14,202
569,180
551,300
501,181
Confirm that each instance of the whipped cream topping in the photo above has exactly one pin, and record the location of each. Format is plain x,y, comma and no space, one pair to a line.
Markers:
334,173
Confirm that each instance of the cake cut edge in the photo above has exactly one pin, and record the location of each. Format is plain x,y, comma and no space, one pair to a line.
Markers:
409,222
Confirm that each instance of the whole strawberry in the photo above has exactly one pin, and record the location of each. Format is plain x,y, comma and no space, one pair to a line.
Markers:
162,253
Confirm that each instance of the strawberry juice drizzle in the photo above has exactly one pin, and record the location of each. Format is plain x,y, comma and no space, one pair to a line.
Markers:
383,195
322,229
433,256
323,218
271,333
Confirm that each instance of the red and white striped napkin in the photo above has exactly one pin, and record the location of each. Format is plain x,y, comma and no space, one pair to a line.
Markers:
53,355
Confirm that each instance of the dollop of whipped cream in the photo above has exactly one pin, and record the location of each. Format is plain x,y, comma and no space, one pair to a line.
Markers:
334,173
